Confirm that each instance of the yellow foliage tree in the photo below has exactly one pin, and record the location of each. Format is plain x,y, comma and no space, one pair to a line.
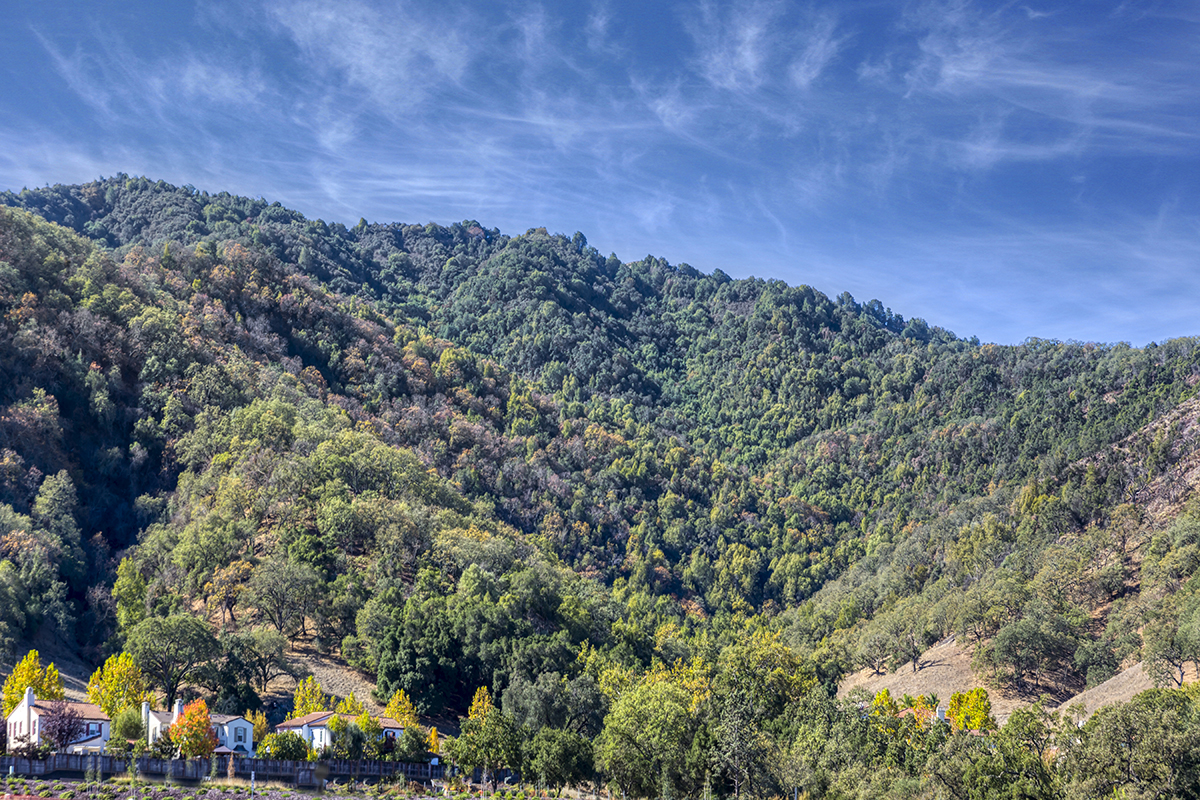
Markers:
884,710
261,727
309,698
46,683
337,726
401,709
351,706
971,711
884,705
119,684
433,741
372,732
695,678
481,704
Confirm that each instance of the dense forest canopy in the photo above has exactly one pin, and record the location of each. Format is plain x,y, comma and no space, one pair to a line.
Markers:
461,459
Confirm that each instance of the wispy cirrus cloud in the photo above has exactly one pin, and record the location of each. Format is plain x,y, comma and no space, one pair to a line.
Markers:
735,45
598,30
119,84
966,56
198,78
820,45
989,142
397,56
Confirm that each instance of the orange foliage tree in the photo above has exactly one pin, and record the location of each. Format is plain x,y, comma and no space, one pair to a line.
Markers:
193,732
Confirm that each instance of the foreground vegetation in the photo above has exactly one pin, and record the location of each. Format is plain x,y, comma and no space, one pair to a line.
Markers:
859,747
460,460
217,790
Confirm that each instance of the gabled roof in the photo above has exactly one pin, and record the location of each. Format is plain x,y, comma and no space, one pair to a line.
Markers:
88,711
319,719
307,719
165,717
224,719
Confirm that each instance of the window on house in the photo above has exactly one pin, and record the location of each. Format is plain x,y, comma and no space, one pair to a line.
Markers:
241,734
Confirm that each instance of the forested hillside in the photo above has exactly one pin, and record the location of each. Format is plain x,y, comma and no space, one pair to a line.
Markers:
462,459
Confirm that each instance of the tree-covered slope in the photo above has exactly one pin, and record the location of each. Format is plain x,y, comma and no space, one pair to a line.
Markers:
646,506
702,451
743,370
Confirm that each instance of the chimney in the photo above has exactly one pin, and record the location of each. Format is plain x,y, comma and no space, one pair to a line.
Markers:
178,711
146,721
30,699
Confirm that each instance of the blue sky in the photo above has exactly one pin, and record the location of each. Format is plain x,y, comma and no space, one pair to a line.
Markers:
1003,170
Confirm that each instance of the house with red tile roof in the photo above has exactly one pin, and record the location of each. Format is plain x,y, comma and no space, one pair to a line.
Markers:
314,728
29,717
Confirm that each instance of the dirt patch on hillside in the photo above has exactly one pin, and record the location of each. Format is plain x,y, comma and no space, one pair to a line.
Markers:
336,677
1121,688
945,669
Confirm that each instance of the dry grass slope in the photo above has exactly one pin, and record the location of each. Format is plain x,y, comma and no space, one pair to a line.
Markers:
946,669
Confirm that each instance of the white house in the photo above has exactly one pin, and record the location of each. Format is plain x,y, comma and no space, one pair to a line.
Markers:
28,718
391,728
155,722
234,734
314,728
